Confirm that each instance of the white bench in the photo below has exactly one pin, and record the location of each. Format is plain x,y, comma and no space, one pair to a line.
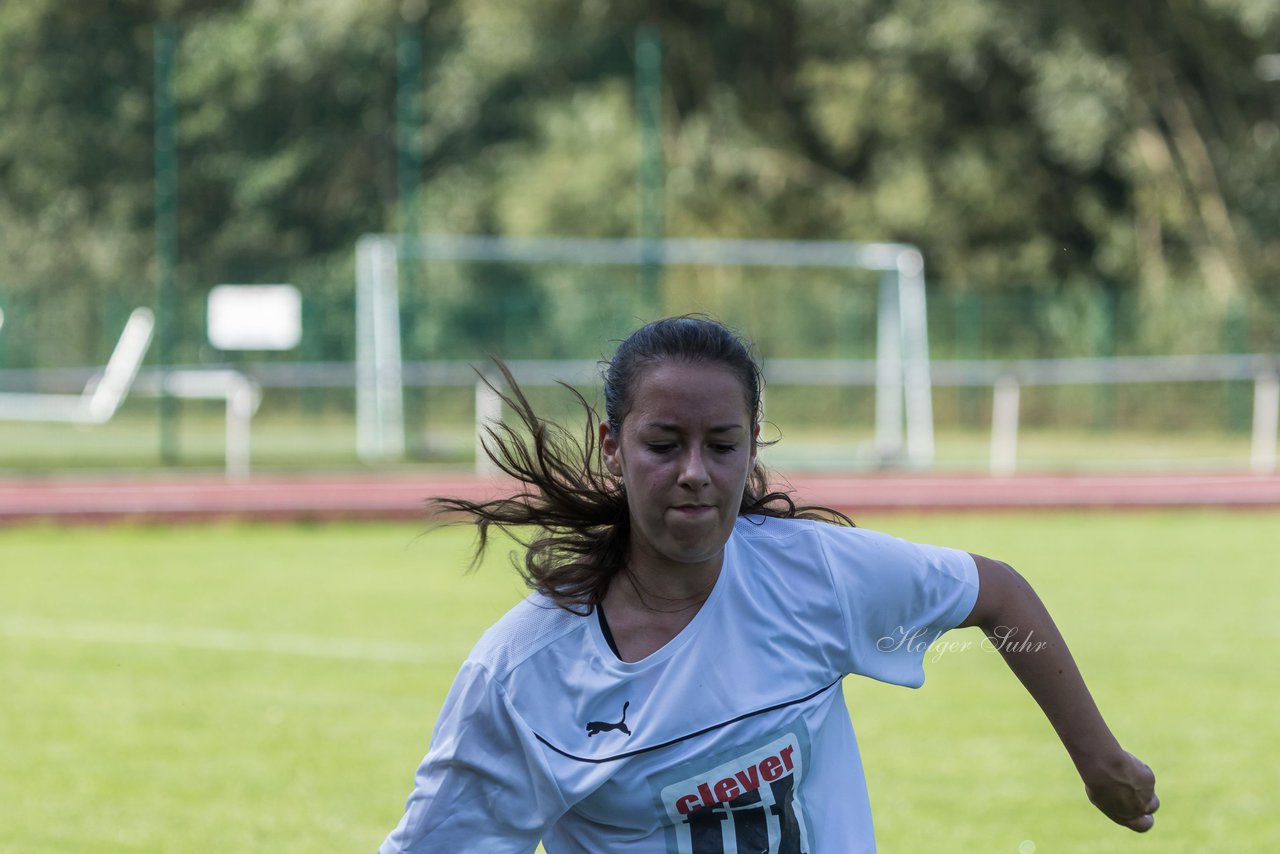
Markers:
104,392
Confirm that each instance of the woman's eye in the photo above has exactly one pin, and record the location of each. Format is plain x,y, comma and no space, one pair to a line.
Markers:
660,447
724,449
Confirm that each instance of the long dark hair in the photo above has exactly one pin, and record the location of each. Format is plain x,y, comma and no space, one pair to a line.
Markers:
571,515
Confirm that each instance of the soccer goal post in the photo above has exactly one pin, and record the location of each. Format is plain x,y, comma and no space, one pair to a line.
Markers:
903,396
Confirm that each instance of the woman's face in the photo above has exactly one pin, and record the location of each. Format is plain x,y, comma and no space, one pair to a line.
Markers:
684,452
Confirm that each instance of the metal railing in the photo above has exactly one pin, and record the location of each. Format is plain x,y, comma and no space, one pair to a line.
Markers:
1006,379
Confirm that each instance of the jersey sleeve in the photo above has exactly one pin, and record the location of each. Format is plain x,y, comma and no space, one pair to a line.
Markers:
484,784
896,598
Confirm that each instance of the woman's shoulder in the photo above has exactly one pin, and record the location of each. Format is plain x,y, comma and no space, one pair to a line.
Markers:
792,553
769,527
528,628
815,543
784,529
791,530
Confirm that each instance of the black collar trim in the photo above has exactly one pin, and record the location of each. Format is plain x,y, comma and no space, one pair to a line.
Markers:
607,632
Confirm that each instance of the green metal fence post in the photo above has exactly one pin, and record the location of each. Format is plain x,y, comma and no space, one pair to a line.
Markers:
166,224
1235,339
409,121
1104,394
652,171
409,161
969,338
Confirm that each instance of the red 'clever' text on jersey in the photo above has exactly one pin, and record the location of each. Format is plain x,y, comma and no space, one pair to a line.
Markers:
745,804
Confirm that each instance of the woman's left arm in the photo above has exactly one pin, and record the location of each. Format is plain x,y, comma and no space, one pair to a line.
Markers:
1017,623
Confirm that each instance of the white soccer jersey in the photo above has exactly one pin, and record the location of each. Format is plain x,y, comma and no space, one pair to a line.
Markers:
732,738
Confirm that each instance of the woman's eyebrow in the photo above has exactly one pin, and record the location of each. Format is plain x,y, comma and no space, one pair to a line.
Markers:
675,428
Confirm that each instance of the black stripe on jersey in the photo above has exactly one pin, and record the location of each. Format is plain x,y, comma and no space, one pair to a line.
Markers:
628,754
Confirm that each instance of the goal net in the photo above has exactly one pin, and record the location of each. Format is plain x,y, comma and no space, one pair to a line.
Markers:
824,315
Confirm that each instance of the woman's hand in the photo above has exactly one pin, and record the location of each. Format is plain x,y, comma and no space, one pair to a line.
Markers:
1125,790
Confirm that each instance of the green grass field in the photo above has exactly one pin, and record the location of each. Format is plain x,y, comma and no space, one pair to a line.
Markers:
271,688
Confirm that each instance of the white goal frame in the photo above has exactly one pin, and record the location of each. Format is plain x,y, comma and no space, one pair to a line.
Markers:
903,384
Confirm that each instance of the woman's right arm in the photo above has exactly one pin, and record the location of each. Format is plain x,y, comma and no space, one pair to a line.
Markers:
484,785
1017,623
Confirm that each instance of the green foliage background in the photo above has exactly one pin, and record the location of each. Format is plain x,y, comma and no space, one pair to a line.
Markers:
1110,171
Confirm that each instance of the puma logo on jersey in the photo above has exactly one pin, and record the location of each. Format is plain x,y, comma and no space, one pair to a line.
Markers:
597,727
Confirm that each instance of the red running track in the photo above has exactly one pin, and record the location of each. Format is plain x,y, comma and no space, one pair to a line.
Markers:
172,498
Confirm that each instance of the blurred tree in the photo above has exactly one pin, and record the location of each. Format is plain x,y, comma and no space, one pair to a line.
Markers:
1014,142
75,163
1132,146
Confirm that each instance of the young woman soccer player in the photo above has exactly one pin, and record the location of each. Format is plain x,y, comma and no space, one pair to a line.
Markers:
673,683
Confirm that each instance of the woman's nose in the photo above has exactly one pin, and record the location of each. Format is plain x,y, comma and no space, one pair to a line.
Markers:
693,471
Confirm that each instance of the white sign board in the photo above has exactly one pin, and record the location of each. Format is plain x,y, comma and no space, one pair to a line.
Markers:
255,317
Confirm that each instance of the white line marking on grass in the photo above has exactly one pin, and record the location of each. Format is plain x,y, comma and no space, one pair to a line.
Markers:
224,640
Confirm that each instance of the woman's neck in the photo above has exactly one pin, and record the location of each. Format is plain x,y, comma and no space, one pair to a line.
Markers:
664,586
648,605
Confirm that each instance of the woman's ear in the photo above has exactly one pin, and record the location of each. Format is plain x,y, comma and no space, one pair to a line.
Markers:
755,440
610,451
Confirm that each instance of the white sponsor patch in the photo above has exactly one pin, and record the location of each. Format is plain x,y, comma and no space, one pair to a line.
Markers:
749,802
